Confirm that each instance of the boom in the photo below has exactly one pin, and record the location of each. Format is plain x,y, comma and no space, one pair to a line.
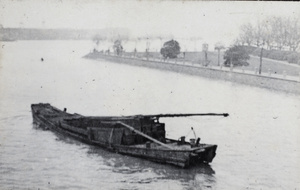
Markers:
187,115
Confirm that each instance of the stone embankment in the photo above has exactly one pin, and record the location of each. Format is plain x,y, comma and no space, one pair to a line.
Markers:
290,84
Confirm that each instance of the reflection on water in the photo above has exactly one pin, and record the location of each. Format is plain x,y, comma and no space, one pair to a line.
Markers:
198,176
258,145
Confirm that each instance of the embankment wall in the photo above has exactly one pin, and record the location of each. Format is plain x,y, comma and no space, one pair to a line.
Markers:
241,78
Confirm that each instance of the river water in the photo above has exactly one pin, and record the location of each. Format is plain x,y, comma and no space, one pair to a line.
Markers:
258,145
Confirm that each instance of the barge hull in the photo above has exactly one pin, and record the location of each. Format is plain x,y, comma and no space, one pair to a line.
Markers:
50,118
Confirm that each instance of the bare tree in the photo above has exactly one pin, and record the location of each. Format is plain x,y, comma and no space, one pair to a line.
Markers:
98,38
293,34
247,34
259,35
277,32
195,39
266,34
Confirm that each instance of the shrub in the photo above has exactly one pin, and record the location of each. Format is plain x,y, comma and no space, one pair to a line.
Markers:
256,52
170,49
249,49
278,55
266,53
237,55
293,57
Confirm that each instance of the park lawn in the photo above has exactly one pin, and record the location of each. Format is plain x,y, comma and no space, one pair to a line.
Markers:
276,67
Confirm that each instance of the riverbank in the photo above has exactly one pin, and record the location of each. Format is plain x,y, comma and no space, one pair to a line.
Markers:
268,65
266,80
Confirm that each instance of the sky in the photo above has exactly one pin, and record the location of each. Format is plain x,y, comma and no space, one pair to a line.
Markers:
210,21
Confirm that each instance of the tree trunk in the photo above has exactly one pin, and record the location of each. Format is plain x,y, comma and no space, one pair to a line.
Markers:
260,60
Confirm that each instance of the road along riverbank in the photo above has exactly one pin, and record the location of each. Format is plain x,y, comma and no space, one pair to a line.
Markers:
278,83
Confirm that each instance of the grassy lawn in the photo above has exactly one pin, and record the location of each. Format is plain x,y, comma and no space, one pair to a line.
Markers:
276,67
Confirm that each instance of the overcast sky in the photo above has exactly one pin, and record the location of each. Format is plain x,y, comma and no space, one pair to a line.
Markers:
217,21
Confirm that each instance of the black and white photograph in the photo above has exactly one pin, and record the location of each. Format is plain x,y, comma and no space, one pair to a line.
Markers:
144,95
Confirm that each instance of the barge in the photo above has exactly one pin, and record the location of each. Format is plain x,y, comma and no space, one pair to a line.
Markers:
138,135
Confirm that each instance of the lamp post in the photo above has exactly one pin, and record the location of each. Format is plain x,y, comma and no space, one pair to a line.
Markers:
260,60
147,48
205,49
218,47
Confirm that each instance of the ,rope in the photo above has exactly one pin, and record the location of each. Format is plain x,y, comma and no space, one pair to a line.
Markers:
194,133
144,135
188,133
192,129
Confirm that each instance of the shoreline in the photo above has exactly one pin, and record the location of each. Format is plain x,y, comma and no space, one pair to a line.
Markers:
278,83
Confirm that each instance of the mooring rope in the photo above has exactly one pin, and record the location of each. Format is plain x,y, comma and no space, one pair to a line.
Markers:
192,129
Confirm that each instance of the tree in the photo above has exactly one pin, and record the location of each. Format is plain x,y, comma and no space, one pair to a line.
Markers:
195,39
293,38
118,48
247,34
266,34
278,32
170,49
236,56
97,38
